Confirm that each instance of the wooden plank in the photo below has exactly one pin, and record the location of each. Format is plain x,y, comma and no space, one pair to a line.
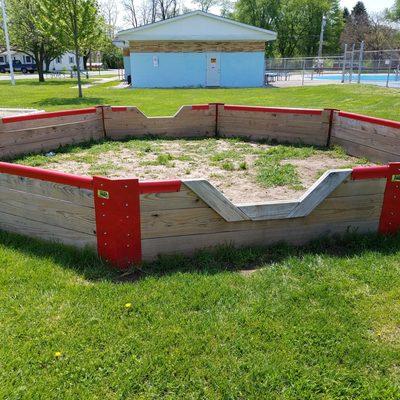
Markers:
384,143
215,199
59,120
31,228
48,210
201,220
293,233
171,201
82,197
359,187
322,188
372,154
270,210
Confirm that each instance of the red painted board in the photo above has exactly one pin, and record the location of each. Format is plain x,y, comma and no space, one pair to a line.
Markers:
118,108
48,175
160,186
372,120
373,172
282,110
390,215
201,107
44,115
117,209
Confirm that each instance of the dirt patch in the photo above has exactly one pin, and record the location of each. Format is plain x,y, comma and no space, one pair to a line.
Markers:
245,172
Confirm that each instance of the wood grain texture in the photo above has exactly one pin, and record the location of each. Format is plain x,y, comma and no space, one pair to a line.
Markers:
281,127
34,136
365,139
185,123
342,205
28,227
293,233
215,199
48,211
187,222
82,197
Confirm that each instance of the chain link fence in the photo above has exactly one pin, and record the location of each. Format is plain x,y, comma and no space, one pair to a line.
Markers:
355,66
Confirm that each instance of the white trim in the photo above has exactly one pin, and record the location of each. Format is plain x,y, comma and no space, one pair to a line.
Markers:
119,39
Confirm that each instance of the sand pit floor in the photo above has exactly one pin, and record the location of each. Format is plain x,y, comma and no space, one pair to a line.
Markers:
246,172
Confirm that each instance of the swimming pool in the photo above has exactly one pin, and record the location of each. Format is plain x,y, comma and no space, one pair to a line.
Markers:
377,79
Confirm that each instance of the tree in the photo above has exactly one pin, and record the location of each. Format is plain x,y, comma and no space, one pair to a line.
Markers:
204,5
131,13
357,26
110,14
393,13
297,23
32,30
80,28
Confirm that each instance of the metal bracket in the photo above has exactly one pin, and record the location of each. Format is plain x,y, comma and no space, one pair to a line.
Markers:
117,207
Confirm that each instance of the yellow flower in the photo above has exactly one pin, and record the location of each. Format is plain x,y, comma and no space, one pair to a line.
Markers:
57,354
128,305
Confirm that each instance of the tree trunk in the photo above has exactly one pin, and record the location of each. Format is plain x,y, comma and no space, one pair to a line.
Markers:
78,71
39,64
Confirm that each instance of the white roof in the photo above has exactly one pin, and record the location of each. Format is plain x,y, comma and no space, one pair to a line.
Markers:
196,25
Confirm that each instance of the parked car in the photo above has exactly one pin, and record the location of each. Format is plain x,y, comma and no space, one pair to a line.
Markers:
19,67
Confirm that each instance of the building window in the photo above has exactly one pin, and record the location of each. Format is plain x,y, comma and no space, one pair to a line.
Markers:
58,60
71,59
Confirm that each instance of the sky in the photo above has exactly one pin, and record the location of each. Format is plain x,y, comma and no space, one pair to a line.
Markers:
372,7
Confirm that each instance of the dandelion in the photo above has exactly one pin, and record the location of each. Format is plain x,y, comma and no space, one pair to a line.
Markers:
128,305
57,354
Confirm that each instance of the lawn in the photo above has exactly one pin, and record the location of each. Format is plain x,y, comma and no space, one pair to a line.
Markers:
320,321
59,94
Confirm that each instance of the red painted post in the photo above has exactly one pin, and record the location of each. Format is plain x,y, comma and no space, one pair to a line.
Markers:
117,208
389,222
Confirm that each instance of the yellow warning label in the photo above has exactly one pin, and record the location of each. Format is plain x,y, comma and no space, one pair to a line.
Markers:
103,194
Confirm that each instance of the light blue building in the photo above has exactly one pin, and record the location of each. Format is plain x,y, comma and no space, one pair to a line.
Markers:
196,49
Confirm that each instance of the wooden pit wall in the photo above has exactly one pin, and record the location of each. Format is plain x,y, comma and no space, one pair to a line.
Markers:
376,139
47,131
48,211
189,121
181,222
279,124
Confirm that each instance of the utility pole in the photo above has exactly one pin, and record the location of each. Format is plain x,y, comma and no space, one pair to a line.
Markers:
321,36
3,6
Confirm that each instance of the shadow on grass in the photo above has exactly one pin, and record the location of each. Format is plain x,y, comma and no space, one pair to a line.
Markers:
62,101
208,261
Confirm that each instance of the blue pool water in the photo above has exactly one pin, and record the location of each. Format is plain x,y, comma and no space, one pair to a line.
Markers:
372,78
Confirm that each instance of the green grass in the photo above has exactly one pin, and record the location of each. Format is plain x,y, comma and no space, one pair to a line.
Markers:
320,321
58,94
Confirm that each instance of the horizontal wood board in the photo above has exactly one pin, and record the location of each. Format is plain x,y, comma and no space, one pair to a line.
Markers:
47,211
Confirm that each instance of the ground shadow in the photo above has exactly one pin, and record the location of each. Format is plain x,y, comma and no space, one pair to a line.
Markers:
62,101
208,261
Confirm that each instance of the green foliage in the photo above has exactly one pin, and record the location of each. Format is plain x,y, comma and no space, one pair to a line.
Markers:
111,57
297,23
33,29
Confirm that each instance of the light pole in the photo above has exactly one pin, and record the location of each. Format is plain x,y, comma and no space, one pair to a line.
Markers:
321,36
3,6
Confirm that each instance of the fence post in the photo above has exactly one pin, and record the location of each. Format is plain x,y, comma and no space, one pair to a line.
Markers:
302,76
360,61
344,62
388,74
352,63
